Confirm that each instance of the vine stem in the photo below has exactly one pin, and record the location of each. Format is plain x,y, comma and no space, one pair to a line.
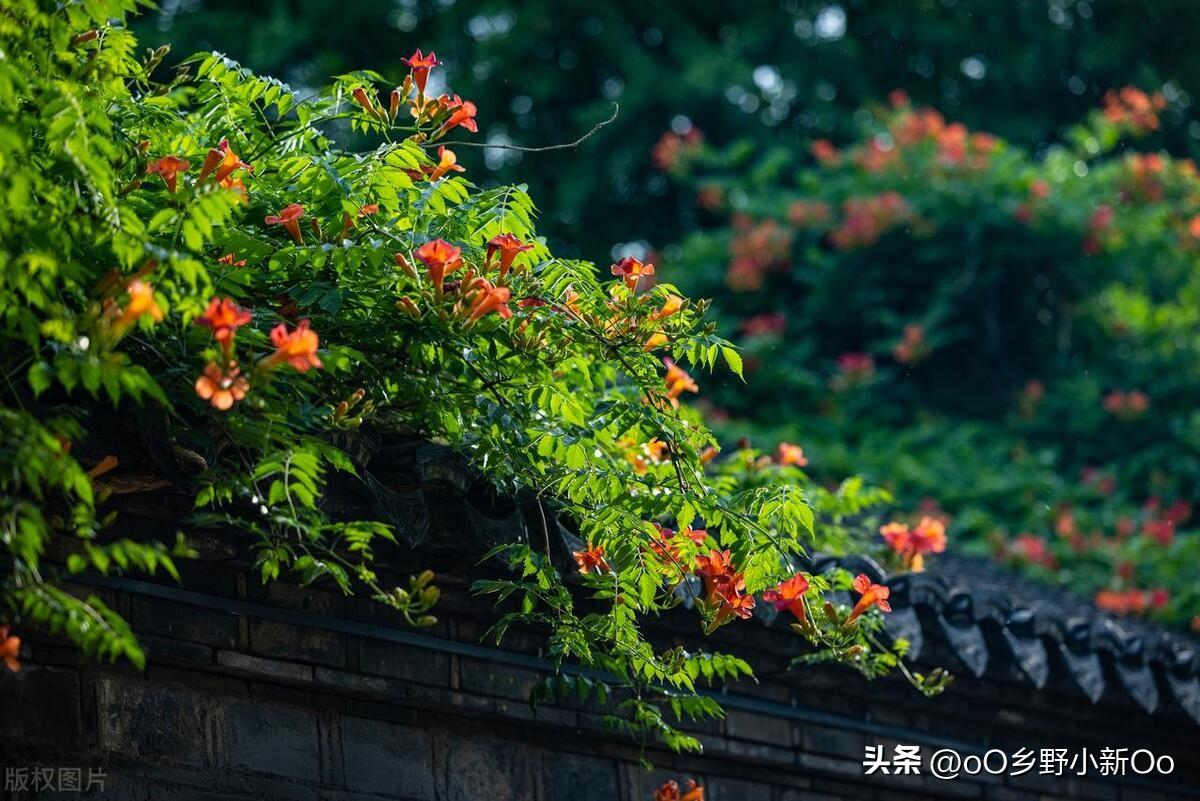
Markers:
523,149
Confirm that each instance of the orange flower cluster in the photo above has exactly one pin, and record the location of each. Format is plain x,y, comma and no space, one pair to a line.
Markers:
224,318
955,145
1126,405
169,168
297,347
669,791
141,303
509,247
854,368
929,536
764,325
803,213
221,164
591,560
476,296
666,542
825,153
756,248
1131,601
1143,177
1134,110
1032,550
222,383
10,649
791,455
678,382
1161,523
866,219
725,588
434,117
911,348
674,150
642,456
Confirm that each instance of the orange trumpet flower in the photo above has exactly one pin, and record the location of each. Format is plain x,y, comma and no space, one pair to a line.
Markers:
509,247
591,560
224,317
297,347
289,217
789,595
870,594
420,65
169,168
441,258
447,162
632,270
490,299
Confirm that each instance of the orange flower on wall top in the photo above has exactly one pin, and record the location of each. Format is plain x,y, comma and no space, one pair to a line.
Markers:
870,595
789,596
669,791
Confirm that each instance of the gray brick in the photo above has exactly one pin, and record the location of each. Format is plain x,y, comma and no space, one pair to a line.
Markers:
285,641
404,662
578,778
387,759
272,739
760,728
481,767
151,721
183,622
721,789
489,678
267,668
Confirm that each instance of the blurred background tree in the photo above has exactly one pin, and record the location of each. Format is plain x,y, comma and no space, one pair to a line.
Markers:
545,71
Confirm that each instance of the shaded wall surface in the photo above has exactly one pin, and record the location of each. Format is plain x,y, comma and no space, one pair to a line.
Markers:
293,693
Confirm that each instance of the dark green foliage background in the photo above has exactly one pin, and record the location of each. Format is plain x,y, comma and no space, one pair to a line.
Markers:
545,71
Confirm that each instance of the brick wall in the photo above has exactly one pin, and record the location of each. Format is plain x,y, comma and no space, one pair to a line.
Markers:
289,693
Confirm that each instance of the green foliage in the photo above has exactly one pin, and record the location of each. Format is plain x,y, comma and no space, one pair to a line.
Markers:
545,71
1003,337
202,284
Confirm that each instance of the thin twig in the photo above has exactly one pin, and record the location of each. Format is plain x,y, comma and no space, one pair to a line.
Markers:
523,149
